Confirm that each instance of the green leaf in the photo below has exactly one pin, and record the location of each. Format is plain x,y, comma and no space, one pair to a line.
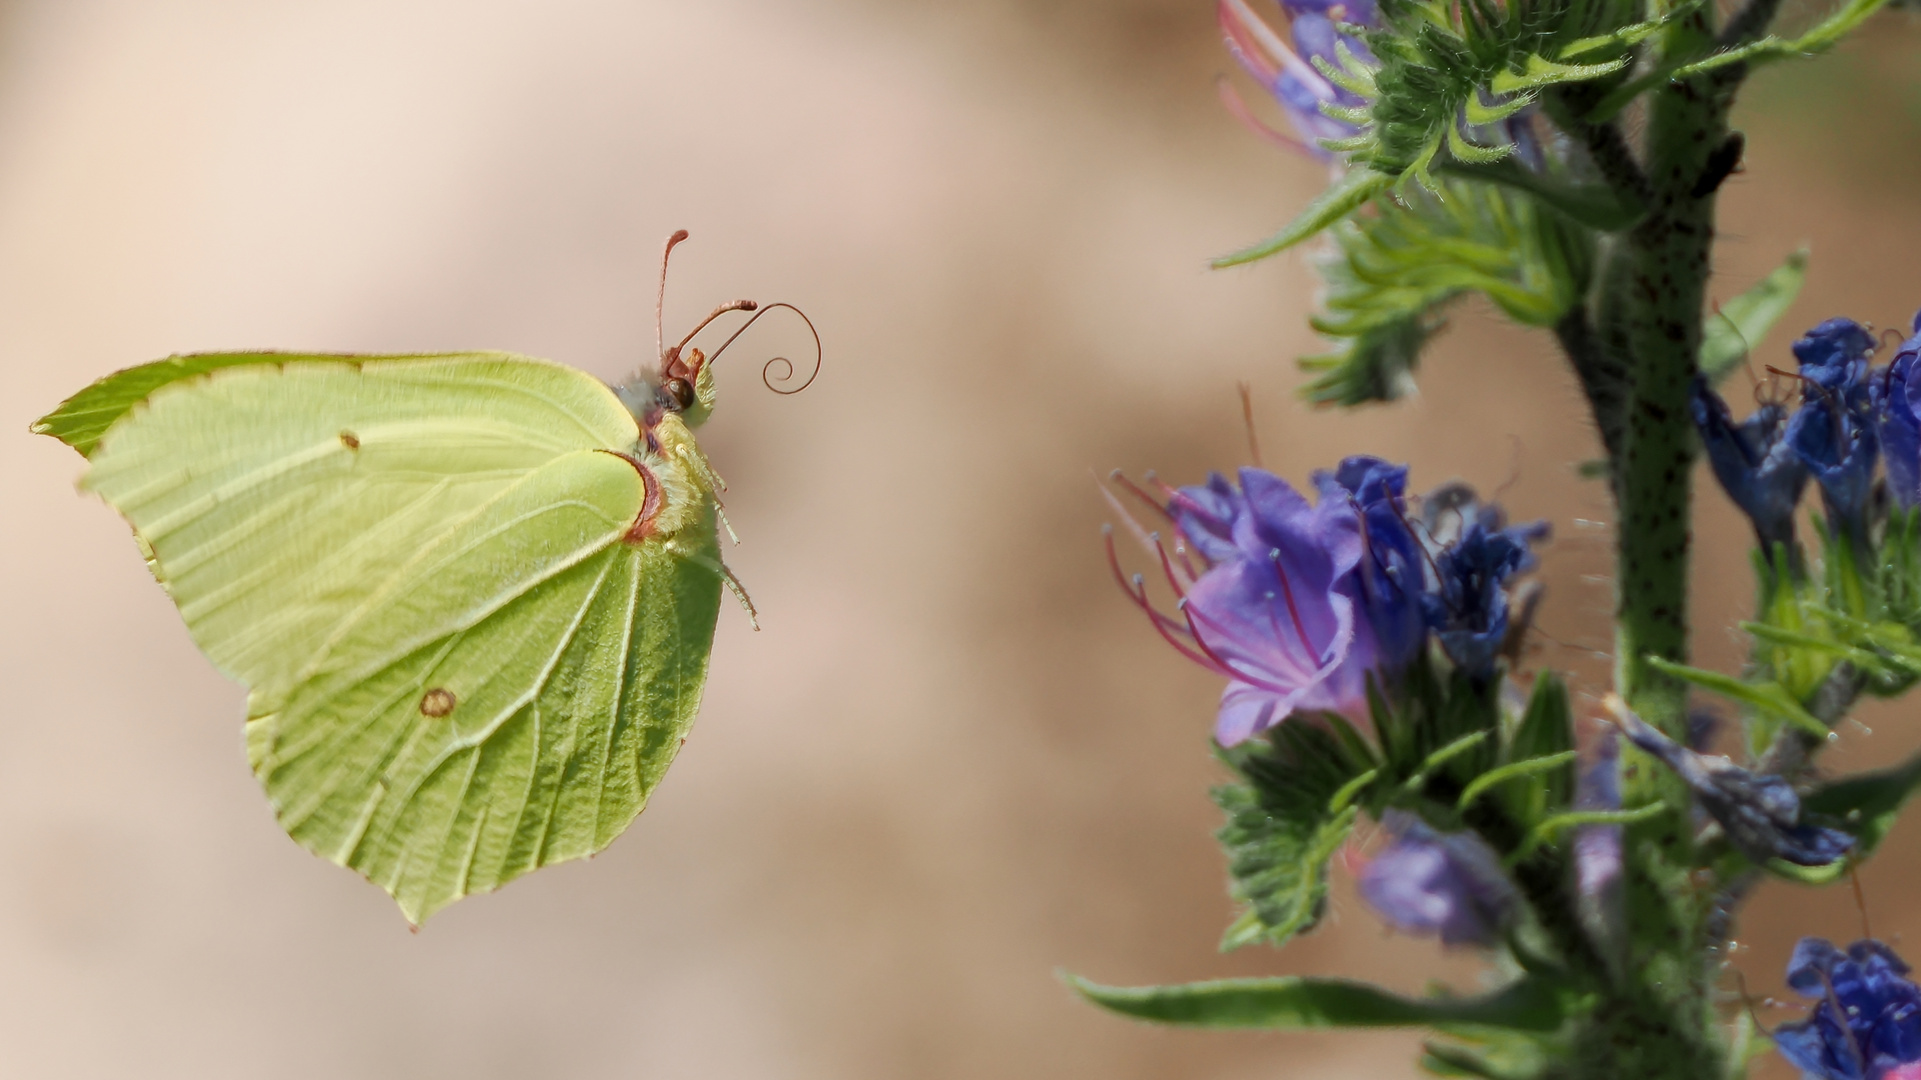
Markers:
1743,323
1492,1053
1769,697
1540,749
1823,36
1347,195
1867,804
1297,1003
1285,821
463,661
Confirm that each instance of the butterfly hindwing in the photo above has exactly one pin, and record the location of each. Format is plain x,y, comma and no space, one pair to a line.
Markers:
460,665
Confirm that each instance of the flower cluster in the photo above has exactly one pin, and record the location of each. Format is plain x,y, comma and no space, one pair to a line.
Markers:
1866,1020
1299,604
1851,414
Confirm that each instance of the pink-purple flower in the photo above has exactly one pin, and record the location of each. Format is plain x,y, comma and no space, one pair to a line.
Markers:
1299,603
1275,608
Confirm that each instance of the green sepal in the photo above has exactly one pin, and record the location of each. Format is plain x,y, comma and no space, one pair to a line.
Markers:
1473,153
1538,71
1377,364
1480,114
1298,1003
1347,195
1742,323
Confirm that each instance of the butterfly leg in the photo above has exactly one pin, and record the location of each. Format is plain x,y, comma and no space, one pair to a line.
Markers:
727,578
740,593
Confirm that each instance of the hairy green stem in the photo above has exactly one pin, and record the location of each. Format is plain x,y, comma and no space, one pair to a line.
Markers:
1660,1022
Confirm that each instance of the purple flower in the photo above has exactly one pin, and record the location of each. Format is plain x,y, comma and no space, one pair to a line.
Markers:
1895,392
1475,553
1761,814
1835,353
1286,69
1433,883
1598,850
1277,608
1866,1020
1753,461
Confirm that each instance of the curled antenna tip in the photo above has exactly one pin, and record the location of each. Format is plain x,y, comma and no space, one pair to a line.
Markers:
679,235
767,377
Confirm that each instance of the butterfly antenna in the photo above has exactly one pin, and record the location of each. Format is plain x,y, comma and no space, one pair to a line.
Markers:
735,305
788,375
660,299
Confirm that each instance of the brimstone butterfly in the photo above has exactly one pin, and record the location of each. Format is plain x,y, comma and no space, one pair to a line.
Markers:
472,595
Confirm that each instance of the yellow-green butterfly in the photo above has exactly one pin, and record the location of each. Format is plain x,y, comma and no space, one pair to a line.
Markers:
472,595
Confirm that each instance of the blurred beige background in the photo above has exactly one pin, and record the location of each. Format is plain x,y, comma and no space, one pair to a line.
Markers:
954,760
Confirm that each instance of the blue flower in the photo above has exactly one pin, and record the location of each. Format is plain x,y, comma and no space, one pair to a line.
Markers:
1866,1021
1895,392
1286,69
1391,571
1835,353
1475,553
1833,431
1755,464
1760,814
1433,883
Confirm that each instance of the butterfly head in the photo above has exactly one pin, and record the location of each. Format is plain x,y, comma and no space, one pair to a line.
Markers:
686,385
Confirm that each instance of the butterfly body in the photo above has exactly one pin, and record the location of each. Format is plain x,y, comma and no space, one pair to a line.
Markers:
472,595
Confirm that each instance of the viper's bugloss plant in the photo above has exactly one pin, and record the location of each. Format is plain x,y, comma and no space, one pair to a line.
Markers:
1367,636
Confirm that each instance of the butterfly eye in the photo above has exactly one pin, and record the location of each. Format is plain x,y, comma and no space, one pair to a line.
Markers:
680,394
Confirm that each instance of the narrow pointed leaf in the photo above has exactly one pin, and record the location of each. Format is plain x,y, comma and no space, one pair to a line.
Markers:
1348,195
1769,697
1296,1003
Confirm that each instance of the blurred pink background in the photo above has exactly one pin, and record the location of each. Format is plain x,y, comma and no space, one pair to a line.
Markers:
954,761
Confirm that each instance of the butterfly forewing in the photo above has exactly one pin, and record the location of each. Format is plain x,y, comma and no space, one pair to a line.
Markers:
460,668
